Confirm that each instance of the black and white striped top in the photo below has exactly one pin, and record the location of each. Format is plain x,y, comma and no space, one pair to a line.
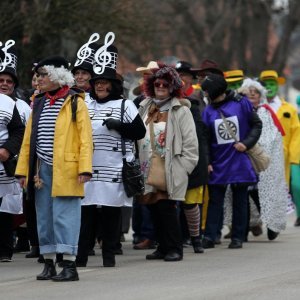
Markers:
46,129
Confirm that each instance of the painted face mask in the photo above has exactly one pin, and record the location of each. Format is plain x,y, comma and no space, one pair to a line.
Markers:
234,85
272,87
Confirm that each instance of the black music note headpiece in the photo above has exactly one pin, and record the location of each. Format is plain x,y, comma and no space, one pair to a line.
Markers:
86,54
9,59
105,59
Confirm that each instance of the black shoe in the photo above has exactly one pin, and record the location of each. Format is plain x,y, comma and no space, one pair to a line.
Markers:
297,222
118,251
155,255
187,243
68,273
208,244
272,235
91,252
41,259
235,244
81,261
173,256
218,241
108,263
34,252
48,272
197,245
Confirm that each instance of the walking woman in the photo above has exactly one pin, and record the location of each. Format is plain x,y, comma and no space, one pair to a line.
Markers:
106,186
171,130
229,164
271,193
55,161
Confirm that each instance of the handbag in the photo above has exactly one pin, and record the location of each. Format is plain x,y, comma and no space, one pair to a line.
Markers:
10,166
260,160
157,173
132,176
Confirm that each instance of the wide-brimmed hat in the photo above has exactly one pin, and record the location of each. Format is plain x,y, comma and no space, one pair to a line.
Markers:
151,65
86,54
234,76
9,60
208,65
271,74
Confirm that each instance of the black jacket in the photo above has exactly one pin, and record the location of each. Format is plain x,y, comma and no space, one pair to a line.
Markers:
16,132
199,176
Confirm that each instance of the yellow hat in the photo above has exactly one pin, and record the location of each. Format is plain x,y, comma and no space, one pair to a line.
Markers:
234,76
271,74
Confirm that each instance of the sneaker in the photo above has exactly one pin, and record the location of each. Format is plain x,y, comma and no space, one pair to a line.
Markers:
5,259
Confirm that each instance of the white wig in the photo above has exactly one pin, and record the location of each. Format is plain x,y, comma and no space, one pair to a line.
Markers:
248,83
60,75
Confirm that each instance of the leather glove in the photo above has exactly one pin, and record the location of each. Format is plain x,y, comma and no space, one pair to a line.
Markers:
112,124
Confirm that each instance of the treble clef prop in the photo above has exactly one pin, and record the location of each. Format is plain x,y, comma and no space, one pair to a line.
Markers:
8,58
85,50
105,58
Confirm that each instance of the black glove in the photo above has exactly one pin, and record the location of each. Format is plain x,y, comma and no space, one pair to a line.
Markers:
112,124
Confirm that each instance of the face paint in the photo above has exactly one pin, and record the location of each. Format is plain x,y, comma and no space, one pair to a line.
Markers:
272,87
234,85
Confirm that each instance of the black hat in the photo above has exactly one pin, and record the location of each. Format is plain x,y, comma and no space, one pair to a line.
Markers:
9,60
183,66
86,54
55,61
105,62
215,85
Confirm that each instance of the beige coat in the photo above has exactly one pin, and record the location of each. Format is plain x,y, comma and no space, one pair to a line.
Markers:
181,145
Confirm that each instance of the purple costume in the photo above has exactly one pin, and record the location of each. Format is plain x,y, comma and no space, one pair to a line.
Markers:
229,165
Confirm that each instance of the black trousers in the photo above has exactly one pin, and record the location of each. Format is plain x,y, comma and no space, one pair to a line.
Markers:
110,223
167,226
30,216
6,234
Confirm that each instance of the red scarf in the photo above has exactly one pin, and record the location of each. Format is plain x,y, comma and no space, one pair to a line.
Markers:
61,93
189,91
275,119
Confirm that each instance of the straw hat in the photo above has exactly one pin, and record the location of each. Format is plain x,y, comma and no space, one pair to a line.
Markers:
151,65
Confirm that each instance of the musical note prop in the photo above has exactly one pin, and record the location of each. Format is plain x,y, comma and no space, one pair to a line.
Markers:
86,51
9,57
103,57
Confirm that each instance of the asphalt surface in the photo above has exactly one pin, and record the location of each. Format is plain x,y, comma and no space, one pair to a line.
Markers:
261,270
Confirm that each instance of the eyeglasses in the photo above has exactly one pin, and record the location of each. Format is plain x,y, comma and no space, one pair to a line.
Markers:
8,81
163,84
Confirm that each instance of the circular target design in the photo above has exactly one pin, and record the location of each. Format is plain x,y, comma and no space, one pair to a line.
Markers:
223,132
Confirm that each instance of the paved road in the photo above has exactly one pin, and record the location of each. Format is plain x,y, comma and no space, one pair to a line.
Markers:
261,270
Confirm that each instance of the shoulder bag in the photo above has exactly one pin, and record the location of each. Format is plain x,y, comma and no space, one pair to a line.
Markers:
260,160
132,176
157,172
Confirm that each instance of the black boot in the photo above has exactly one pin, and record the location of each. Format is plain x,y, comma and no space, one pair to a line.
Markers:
34,252
68,273
197,244
48,272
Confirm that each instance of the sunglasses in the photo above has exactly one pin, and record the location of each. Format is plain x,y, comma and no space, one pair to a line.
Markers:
159,84
8,81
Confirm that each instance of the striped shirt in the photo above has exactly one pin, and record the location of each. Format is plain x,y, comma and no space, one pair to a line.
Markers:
46,129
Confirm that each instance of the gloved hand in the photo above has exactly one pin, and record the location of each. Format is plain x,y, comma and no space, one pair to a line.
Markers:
112,124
